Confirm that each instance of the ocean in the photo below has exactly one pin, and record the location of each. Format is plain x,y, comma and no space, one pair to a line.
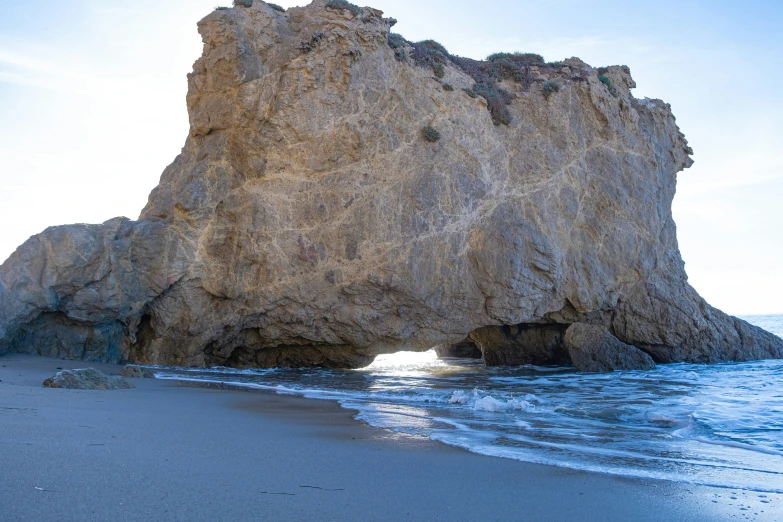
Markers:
718,425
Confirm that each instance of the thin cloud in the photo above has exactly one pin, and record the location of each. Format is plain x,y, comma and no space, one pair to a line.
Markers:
31,63
65,76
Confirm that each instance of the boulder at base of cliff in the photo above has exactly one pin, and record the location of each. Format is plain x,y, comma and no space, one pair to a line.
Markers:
137,372
87,379
593,349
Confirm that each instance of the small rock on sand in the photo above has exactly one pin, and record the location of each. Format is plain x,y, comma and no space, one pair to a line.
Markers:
87,379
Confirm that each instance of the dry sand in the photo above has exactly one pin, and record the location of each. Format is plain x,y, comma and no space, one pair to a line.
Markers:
171,451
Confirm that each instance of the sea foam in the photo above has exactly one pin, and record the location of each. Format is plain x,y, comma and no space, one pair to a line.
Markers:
719,425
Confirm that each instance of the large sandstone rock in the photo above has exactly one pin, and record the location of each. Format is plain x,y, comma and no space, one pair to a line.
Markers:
308,222
87,379
594,350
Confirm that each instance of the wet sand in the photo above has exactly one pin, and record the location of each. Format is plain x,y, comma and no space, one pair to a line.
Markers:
175,451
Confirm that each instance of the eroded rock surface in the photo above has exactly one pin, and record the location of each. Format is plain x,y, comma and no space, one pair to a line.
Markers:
594,350
308,223
87,379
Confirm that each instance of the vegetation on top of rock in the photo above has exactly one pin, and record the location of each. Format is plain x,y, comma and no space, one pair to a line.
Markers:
608,82
395,40
429,53
497,100
433,46
276,7
550,87
342,4
221,8
486,74
243,3
447,87
397,43
526,58
430,134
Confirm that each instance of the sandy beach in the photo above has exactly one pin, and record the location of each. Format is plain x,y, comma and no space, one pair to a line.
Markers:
173,451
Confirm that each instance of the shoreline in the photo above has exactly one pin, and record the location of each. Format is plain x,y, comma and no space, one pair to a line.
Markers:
170,450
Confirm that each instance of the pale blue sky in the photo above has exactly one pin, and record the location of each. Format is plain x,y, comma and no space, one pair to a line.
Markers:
92,108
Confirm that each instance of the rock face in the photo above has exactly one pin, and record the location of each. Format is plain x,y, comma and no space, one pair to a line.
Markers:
86,379
593,349
307,222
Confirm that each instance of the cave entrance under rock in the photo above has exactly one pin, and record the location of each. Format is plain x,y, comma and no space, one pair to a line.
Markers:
400,360
512,345
504,345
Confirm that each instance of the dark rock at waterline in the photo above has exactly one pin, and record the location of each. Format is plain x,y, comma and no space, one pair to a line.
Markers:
593,349
465,350
87,379
137,372
522,344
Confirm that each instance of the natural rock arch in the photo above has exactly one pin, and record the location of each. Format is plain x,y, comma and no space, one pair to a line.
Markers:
307,221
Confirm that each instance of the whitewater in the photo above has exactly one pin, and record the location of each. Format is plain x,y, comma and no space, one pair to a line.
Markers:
718,425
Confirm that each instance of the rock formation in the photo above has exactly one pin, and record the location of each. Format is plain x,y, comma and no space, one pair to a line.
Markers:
308,222
132,371
593,349
87,379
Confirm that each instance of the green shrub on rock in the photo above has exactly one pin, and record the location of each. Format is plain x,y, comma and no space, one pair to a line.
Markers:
608,82
342,4
550,87
521,58
395,40
430,134
243,3
488,74
277,7
429,53
434,46
497,100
